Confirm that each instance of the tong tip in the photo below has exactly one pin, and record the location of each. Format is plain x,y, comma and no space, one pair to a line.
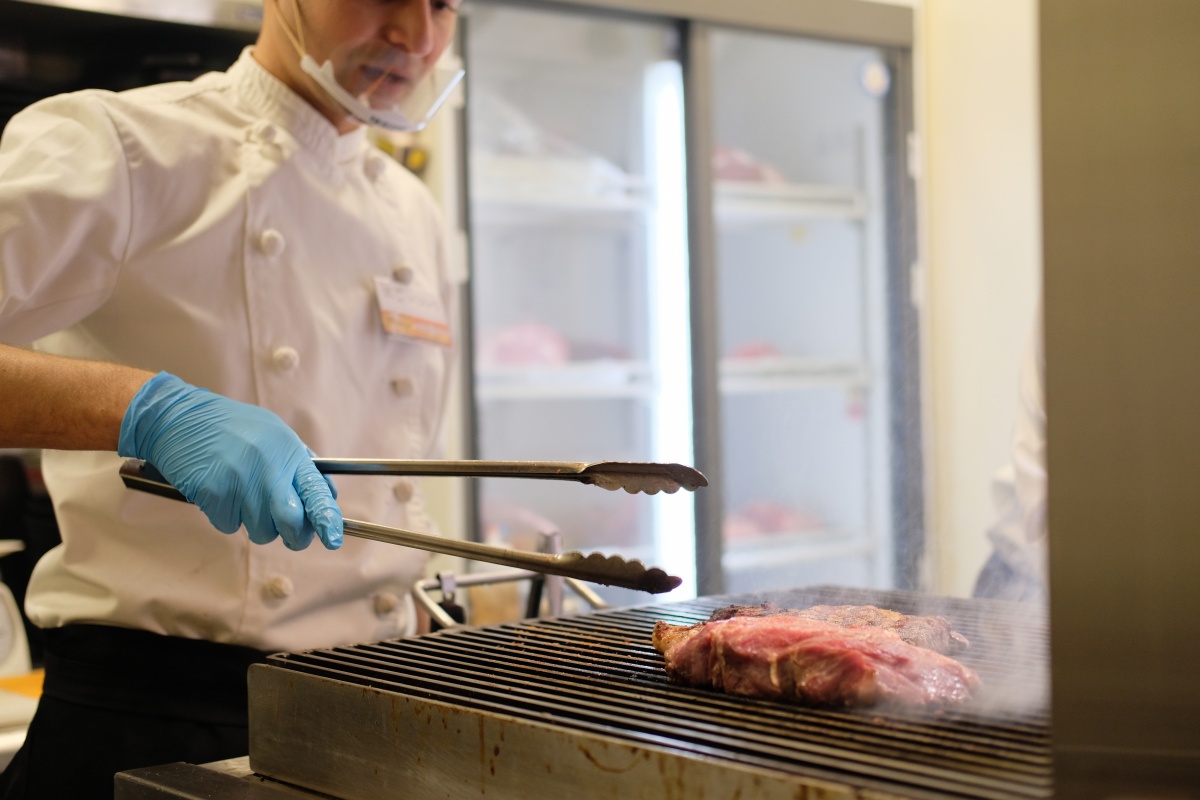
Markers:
659,582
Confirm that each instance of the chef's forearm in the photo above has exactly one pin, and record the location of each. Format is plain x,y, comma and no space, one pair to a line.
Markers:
62,403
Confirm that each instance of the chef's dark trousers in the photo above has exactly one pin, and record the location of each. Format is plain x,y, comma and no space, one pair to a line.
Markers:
116,699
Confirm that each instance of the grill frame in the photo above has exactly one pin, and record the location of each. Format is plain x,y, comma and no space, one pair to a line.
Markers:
580,706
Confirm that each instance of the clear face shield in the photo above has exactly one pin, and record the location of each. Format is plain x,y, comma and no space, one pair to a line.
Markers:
378,85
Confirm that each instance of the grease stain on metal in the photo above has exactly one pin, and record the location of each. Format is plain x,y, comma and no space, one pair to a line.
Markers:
605,767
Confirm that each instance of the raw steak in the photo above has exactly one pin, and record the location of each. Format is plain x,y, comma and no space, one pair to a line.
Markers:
935,633
807,661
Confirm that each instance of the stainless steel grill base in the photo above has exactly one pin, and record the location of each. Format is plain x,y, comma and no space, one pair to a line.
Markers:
580,707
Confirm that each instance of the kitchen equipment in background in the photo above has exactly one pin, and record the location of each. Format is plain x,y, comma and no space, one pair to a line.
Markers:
578,294
689,242
53,46
204,14
543,592
807,366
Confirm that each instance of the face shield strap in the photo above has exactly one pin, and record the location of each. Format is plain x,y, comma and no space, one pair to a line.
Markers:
296,37
411,114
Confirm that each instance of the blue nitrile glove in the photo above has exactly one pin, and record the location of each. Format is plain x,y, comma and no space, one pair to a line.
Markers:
239,463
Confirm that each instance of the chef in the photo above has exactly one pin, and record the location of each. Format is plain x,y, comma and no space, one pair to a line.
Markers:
1017,569
220,275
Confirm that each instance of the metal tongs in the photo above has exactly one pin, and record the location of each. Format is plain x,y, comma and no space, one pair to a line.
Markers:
595,567
632,476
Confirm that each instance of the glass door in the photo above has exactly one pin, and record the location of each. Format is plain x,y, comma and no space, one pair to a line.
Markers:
799,163
579,285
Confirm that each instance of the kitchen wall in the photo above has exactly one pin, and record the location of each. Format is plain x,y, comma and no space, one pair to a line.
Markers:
977,97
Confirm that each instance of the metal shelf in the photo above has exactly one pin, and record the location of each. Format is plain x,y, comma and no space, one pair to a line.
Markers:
794,547
747,204
525,189
605,378
777,373
556,209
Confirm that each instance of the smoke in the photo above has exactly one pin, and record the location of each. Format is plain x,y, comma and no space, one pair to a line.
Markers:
1009,643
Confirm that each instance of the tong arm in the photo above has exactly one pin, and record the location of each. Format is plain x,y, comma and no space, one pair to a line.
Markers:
595,567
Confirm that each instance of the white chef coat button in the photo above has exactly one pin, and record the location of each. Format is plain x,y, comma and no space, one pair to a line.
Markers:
386,604
403,387
403,490
403,274
267,134
285,358
271,242
279,587
373,167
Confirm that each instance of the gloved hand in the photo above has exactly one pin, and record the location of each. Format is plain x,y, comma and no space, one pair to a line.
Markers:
239,463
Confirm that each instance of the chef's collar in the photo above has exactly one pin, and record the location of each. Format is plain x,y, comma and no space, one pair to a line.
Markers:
273,100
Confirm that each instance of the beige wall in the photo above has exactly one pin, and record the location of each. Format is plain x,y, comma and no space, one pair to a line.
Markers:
977,97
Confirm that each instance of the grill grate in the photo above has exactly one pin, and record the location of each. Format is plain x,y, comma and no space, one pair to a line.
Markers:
598,674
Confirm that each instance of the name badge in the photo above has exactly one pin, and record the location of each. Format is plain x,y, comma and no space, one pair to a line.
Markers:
412,313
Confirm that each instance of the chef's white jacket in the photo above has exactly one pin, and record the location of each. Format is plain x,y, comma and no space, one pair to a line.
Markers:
1019,531
221,230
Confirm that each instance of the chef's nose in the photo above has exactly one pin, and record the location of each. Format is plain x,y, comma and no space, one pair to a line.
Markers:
410,27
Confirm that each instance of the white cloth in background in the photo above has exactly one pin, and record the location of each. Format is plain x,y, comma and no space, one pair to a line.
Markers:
1019,488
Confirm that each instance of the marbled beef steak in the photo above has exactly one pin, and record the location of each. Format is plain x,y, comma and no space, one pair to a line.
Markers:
933,632
794,659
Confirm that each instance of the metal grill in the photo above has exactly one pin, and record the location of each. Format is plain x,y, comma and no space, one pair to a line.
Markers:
582,703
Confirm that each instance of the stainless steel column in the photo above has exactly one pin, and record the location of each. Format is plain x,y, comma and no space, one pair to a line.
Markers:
702,258
1121,171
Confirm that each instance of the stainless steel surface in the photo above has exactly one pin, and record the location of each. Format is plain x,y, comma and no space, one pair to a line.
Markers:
580,707
1120,117
697,60
610,570
633,477
905,330
425,600
235,14
194,782
552,586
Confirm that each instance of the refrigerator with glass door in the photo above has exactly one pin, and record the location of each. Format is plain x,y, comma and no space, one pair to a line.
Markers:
691,238
809,369
579,320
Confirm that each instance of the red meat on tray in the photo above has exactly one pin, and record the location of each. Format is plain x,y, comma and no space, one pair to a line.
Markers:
812,662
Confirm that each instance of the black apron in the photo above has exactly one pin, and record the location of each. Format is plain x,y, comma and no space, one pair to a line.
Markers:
116,699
